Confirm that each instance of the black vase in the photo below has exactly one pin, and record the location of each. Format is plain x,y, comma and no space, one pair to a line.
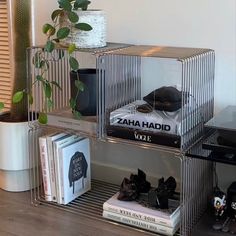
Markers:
87,99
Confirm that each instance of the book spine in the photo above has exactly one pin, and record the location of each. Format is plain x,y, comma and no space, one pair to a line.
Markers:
62,194
52,169
45,168
139,223
80,125
57,172
138,215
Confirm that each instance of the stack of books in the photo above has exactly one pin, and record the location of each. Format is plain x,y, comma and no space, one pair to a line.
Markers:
138,214
65,164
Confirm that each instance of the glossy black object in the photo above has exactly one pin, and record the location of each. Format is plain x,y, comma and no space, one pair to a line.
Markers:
131,188
165,190
166,98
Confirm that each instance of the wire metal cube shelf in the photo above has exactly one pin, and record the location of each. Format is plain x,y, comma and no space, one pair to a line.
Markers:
125,74
130,74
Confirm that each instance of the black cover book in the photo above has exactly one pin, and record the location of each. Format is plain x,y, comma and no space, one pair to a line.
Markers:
144,136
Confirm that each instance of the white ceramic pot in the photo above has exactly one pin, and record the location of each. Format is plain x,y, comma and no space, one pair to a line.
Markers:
95,38
14,156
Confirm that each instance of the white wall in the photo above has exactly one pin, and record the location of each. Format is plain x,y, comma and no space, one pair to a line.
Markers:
189,23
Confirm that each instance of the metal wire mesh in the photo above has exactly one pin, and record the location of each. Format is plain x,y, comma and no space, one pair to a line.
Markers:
129,74
197,184
121,78
198,80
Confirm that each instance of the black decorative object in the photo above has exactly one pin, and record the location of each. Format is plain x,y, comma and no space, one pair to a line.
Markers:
128,190
231,200
166,98
78,168
143,186
131,188
219,203
86,100
165,190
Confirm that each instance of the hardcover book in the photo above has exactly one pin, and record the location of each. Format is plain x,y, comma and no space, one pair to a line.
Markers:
138,210
141,116
140,223
74,162
43,151
144,136
64,118
59,143
50,139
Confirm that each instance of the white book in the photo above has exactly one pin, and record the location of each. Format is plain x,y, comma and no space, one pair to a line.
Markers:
50,139
74,162
59,143
157,228
166,217
43,151
64,118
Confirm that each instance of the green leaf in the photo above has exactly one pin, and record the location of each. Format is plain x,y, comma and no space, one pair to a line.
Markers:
83,4
1,105
79,85
72,103
39,78
56,13
74,64
77,114
49,47
83,26
17,97
56,84
30,99
73,17
49,103
47,90
43,119
63,32
65,4
71,48
48,29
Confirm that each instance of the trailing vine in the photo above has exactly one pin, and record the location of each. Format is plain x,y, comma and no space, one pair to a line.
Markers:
55,34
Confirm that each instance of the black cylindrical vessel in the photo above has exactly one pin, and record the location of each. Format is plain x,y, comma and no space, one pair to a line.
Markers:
87,99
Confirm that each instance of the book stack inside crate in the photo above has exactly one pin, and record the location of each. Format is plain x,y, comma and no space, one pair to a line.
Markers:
65,165
140,215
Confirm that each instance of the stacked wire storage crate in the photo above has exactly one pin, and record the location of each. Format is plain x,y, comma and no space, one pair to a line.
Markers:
126,75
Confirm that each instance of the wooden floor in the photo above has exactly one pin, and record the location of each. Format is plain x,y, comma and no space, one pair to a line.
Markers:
18,217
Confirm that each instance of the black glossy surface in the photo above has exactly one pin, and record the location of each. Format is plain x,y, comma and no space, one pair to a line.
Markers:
225,120
212,151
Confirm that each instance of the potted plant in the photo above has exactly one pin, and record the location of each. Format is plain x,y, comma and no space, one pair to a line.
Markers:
14,159
58,33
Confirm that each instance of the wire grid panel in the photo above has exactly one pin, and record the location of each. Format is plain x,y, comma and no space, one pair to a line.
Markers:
197,184
131,73
57,70
119,84
198,81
